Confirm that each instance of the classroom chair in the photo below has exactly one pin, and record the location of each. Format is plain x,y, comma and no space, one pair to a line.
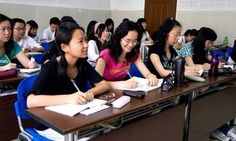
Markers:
38,58
26,134
45,45
134,71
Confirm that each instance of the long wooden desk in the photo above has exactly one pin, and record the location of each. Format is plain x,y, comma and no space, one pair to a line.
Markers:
69,125
8,123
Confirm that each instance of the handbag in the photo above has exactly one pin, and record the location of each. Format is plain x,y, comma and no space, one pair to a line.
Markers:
168,82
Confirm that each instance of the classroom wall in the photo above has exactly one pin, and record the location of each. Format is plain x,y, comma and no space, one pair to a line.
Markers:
42,13
132,9
216,14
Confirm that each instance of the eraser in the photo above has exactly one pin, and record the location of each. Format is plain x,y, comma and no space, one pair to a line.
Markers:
120,102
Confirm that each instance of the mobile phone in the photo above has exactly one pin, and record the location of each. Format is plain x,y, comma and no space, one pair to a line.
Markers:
136,94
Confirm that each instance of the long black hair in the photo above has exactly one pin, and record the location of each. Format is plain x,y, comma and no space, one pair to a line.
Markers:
199,51
164,30
120,32
108,22
32,24
63,36
10,43
98,34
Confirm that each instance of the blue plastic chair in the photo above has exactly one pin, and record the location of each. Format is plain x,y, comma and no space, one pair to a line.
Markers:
38,58
134,71
45,45
27,134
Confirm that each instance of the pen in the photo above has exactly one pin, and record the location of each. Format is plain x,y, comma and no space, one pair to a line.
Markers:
8,58
128,74
73,82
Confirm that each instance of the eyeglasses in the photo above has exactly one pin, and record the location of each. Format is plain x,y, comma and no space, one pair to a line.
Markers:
20,29
175,34
128,41
8,29
108,97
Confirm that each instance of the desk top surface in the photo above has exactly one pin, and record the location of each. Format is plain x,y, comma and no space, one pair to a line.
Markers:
11,80
66,124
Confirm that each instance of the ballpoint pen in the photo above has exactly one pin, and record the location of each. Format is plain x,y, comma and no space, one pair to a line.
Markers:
128,74
73,82
8,58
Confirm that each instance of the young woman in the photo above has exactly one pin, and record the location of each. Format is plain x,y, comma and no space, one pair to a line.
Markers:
197,53
110,26
9,48
162,54
97,42
146,38
54,85
32,29
56,75
121,51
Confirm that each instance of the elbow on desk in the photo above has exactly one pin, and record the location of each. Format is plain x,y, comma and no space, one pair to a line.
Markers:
30,101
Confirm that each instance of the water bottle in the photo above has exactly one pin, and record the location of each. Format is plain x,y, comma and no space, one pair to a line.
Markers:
214,65
179,71
226,41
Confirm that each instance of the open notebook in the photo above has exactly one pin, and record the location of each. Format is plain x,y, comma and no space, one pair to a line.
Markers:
73,109
30,71
143,85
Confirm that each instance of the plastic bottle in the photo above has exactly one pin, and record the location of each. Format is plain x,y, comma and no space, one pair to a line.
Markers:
226,41
214,65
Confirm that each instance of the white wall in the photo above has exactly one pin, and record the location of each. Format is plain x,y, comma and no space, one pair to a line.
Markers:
41,11
132,9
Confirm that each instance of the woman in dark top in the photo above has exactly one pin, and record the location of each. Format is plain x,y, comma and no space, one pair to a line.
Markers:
53,85
202,44
162,54
59,78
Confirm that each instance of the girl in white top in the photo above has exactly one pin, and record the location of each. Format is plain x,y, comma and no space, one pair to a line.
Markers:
96,42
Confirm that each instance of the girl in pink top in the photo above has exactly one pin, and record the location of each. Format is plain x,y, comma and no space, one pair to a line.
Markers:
122,50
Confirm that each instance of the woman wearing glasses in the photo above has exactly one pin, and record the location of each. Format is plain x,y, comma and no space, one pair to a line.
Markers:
122,50
162,54
9,48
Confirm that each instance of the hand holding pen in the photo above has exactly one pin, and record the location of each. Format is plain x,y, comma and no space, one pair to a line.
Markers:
80,97
130,83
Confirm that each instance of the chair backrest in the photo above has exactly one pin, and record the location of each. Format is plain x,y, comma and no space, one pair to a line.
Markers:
23,88
45,46
38,58
134,71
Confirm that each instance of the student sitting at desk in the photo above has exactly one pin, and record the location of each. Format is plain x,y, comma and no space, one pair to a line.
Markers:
96,42
197,53
27,43
162,54
48,32
63,79
9,48
122,50
32,29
